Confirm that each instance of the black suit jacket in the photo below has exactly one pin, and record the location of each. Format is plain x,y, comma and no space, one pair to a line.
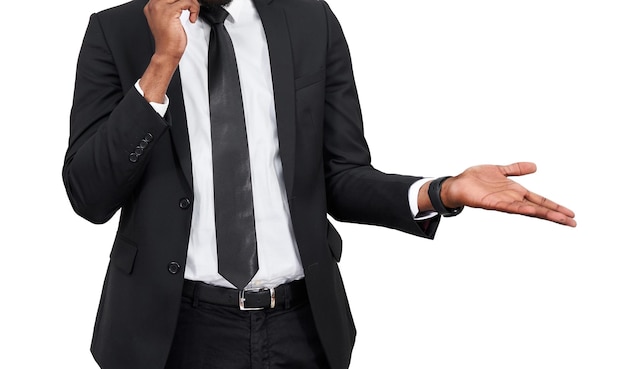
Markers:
123,155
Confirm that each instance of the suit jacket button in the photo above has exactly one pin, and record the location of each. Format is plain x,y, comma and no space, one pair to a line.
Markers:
173,267
184,203
138,150
149,137
133,157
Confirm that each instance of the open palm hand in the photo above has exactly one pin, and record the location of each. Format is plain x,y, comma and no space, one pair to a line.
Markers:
489,187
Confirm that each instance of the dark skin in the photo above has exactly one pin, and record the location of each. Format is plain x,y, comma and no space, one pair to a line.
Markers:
489,187
484,186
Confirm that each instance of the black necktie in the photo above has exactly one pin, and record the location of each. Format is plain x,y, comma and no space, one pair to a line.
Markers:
234,212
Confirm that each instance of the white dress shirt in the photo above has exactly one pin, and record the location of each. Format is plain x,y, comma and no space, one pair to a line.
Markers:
279,260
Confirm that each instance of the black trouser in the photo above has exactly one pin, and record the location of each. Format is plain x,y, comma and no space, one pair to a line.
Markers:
210,336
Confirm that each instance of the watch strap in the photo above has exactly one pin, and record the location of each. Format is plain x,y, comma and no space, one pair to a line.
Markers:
434,193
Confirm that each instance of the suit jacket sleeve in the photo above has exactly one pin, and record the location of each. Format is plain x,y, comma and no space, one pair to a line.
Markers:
356,192
112,131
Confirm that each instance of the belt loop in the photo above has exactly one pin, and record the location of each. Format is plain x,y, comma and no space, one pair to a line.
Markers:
287,296
196,297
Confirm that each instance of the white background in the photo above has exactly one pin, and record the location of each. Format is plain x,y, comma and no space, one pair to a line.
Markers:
444,85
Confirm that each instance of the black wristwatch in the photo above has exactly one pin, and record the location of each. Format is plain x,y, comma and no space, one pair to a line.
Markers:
434,193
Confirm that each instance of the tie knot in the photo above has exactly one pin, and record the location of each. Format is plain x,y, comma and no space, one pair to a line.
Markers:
213,14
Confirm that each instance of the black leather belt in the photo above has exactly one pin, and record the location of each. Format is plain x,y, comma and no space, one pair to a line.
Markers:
283,296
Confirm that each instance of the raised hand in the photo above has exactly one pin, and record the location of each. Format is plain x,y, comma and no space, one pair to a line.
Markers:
489,187
163,17
170,41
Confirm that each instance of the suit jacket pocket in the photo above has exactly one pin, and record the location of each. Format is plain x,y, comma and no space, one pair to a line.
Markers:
123,254
310,79
334,241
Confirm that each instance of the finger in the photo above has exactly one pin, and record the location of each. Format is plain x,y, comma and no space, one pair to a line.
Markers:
536,211
549,204
518,169
560,218
194,11
179,5
170,7
555,216
160,4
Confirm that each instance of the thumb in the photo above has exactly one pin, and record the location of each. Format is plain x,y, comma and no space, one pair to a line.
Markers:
518,169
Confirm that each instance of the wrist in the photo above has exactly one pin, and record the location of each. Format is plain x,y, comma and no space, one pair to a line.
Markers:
157,76
165,61
448,193
440,195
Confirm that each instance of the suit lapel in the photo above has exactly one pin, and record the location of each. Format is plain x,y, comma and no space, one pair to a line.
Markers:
180,134
277,34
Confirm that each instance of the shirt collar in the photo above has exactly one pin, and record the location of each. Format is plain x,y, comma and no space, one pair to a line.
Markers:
237,7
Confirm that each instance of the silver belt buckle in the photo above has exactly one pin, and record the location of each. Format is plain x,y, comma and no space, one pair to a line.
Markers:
242,301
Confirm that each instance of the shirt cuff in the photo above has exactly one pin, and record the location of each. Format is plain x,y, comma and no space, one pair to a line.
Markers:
413,193
161,109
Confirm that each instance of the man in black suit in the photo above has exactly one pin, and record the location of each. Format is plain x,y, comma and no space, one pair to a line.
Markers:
137,143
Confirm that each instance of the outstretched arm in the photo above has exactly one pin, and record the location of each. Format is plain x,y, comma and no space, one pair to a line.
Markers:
489,187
